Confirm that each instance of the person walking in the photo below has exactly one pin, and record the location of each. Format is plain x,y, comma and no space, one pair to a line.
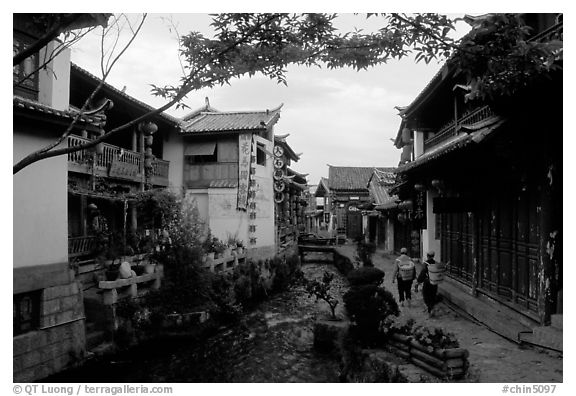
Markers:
404,273
429,290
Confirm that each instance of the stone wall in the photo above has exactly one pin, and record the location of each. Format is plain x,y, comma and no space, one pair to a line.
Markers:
59,341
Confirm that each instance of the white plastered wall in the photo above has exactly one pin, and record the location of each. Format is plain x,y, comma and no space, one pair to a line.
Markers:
40,201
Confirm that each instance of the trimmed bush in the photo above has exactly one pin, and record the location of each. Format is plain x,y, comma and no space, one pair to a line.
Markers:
368,306
343,263
365,276
364,252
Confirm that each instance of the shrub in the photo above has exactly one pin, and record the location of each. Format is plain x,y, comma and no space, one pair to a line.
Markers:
364,252
321,290
249,283
368,306
435,337
365,276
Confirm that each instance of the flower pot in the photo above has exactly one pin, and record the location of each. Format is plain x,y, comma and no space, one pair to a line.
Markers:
111,274
138,270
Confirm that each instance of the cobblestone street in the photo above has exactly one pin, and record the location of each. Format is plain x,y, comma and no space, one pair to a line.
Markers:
492,357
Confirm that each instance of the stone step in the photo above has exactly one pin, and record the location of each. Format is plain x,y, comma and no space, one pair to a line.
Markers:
95,338
496,317
557,321
548,337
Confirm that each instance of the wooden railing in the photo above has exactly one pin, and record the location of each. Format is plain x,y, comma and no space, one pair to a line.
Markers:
160,168
78,246
449,130
110,153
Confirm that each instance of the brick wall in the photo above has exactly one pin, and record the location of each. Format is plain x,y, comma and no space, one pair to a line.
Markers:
59,342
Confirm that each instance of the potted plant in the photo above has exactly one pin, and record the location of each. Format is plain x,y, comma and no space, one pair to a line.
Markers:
112,269
218,247
239,247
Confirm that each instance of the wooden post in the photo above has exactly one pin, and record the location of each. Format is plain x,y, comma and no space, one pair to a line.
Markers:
475,253
83,217
133,217
134,140
549,243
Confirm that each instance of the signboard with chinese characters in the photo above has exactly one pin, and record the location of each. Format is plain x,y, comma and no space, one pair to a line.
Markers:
244,158
419,215
123,170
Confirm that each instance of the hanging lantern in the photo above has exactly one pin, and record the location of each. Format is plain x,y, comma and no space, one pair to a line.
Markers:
148,128
149,151
402,217
419,187
148,140
100,148
148,162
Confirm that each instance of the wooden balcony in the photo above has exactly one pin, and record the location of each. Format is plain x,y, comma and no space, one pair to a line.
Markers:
81,246
475,117
115,162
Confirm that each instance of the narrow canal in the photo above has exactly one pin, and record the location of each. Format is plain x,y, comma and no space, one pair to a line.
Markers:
273,343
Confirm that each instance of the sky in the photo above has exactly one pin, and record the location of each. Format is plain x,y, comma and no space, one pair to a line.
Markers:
339,117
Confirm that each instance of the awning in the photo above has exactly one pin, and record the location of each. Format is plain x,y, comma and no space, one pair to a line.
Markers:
387,206
200,149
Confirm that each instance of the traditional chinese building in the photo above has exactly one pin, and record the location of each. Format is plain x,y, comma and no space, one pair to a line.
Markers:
228,166
348,190
483,183
48,316
104,182
380,219
323,198
289,191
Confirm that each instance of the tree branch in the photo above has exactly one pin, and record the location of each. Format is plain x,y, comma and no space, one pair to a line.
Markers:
183,91
44,40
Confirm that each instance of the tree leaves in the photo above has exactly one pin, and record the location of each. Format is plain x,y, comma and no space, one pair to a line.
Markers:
247,44
495,58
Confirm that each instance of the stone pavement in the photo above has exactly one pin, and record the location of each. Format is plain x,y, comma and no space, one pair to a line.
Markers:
492,358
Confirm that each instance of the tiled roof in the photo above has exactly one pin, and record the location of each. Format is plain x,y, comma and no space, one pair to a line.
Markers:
379,185
457,142
349,178
144,106
322,188
28,104
209,121
281,140
299,177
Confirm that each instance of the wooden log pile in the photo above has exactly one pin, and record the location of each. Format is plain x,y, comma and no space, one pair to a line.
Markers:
444,363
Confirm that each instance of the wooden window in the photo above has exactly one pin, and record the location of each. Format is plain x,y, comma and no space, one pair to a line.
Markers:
26,312
260,154
25,74
202,153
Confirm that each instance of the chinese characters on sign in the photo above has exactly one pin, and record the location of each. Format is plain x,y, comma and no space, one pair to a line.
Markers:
252,196
244,157
420,209
123,170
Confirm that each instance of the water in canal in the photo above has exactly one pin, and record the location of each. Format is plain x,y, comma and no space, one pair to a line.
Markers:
273,343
